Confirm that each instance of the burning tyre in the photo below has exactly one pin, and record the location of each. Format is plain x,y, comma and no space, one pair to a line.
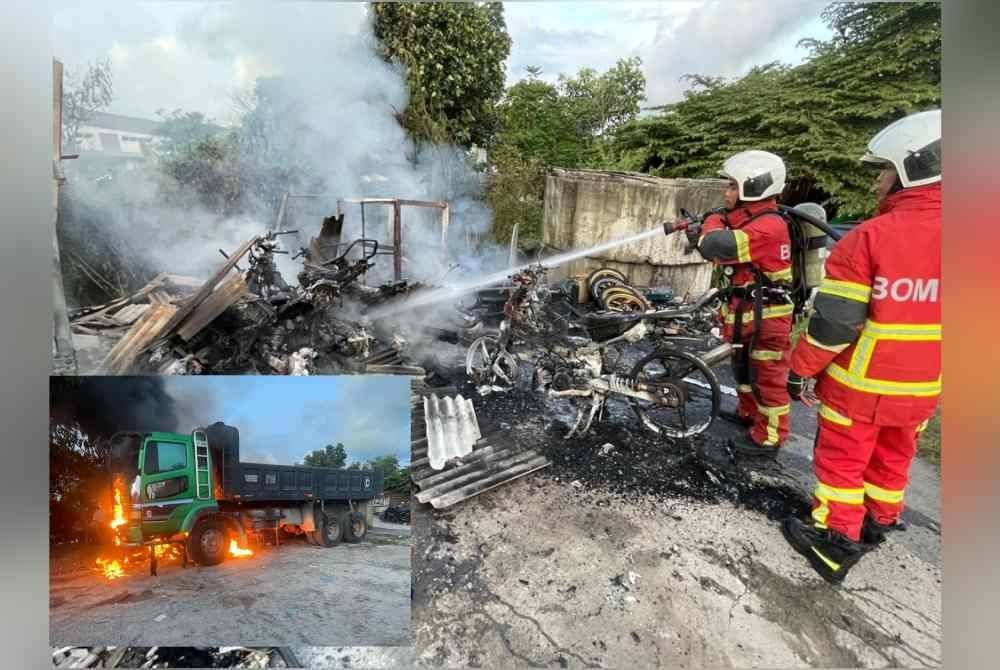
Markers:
208,543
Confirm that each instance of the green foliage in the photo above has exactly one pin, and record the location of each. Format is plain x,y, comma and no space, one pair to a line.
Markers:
929,442
884,62
181,131
328,457
454,57
543,125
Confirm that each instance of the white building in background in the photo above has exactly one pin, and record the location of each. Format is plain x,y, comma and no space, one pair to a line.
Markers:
120,139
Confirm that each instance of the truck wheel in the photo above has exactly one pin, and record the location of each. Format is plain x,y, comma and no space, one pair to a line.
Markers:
331,533
207,543
355,526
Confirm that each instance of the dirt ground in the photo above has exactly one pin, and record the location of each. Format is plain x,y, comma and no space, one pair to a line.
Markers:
633,556
296,594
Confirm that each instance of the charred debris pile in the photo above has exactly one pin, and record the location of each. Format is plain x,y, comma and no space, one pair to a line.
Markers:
174,657
248,318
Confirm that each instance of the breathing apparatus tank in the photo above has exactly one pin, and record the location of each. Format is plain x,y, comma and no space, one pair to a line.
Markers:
813,243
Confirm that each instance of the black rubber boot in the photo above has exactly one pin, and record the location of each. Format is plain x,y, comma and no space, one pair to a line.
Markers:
734,417
830,554
745,447
873,533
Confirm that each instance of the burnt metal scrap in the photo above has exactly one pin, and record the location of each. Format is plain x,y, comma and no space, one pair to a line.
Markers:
174,657
246,318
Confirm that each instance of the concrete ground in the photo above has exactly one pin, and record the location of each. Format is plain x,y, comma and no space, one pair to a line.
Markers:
546,573
296,594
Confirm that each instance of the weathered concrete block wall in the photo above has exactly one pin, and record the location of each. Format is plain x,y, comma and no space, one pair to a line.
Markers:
584,208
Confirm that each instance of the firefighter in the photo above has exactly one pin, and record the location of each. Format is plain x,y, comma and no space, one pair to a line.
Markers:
874,343
750,238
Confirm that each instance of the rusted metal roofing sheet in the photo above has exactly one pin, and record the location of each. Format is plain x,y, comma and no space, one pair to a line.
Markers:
492,461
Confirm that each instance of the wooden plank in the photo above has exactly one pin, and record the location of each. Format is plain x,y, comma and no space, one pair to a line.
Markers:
128,314
142,333
206,289
228,293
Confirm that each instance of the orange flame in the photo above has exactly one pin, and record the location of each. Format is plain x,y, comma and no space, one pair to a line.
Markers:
119,511
234,550
111,569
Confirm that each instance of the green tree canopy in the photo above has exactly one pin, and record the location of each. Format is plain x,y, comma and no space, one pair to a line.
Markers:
329,456
454,57
883,62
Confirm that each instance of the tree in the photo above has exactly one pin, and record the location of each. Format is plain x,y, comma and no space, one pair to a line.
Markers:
884,62
544,125
83,96
328,457
393,476
454,57
180,131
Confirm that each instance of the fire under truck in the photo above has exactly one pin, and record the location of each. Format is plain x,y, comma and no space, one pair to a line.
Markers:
192,491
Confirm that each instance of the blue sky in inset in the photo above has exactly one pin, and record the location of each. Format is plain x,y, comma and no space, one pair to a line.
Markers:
194,55
280,419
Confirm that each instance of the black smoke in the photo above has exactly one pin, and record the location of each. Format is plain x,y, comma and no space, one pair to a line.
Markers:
102,406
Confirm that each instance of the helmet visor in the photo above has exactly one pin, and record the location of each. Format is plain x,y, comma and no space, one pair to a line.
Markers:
924,163
754,187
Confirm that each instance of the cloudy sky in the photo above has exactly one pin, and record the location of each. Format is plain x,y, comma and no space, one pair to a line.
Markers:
193,56
280,419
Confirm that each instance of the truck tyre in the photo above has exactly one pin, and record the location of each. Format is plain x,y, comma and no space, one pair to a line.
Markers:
355,527
207,544
331,533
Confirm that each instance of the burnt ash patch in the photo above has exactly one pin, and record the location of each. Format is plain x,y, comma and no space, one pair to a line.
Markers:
640,462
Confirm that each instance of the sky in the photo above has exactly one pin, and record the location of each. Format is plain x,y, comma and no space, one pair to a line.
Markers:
194,56
280,419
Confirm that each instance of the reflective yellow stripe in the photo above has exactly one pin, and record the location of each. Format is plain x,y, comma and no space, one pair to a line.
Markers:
773,414
765,355
832,415
913,332
883,495
744,388
846,289
862,355
780,275
882,386
836,348
767,313
923,426
742,246
833,566
846,496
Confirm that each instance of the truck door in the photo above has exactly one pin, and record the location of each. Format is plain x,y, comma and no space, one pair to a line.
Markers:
168,483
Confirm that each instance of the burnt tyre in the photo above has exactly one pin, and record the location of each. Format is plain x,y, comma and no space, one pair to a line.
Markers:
602,273
355,527
682,393
208,543
331,533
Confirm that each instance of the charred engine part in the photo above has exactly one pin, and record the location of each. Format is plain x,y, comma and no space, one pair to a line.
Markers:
262,276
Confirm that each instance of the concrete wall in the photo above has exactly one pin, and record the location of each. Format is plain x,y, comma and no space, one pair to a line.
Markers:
584,208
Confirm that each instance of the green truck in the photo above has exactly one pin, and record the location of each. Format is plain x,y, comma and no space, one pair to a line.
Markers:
192,490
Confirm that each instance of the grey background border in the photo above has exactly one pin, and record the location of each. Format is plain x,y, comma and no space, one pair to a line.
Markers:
972,99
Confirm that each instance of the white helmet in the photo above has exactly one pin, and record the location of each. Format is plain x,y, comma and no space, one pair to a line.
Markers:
912,145
759,174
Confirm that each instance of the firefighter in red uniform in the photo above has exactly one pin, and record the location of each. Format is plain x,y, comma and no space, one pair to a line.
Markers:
751,239
874,342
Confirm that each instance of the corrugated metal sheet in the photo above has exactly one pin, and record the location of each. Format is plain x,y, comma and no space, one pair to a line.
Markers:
452,428
493,460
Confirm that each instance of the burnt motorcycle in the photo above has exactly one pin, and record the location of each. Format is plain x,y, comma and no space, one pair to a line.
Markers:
672,391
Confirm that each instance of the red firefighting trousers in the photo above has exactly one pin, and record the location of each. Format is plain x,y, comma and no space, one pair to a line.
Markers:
770,360
861,469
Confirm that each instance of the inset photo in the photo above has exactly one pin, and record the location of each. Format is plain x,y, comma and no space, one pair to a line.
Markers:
229,511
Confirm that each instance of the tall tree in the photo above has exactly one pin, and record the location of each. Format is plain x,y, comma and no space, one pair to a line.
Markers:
883,62
454,57
329,456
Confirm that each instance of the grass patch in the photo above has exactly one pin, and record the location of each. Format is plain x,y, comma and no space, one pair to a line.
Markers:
929,443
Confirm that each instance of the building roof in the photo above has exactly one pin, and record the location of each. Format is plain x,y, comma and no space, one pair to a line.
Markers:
125,124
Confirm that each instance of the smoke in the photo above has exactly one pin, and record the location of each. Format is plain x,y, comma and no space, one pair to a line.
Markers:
103,406
331,106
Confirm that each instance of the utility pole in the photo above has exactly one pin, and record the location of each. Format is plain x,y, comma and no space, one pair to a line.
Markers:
63,353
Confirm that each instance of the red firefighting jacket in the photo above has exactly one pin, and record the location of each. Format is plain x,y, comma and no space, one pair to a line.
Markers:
744,237
875,336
